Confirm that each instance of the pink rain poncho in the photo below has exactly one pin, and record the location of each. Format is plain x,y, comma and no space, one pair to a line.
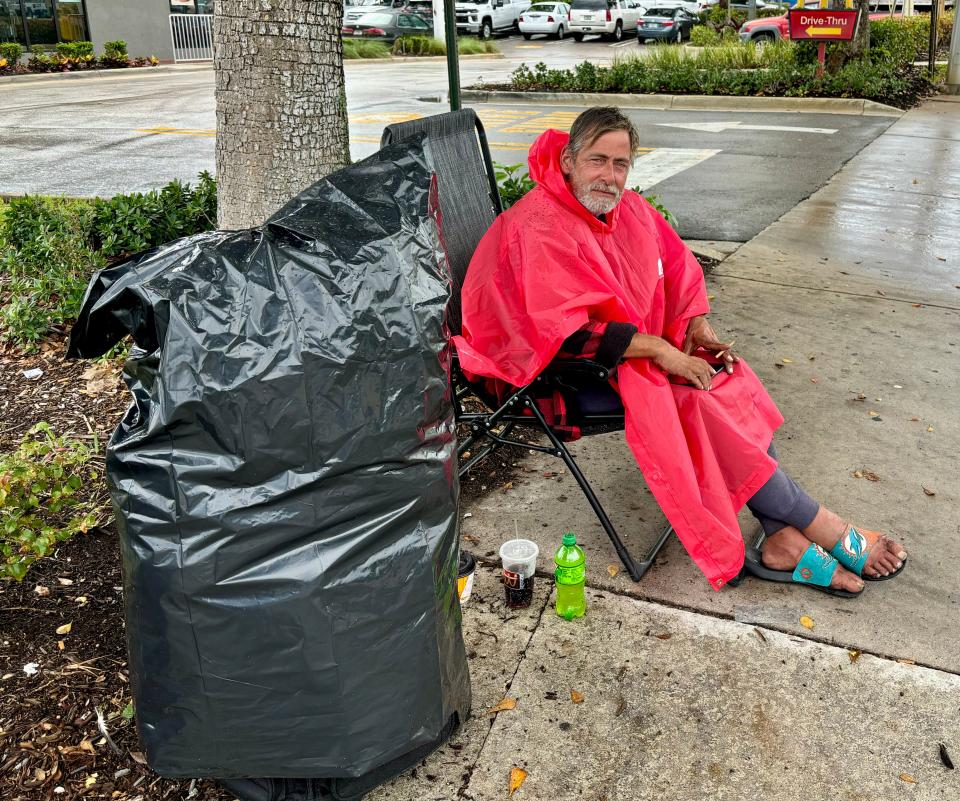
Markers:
548,266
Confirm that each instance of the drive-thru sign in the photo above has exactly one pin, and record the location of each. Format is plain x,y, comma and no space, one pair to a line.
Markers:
823,25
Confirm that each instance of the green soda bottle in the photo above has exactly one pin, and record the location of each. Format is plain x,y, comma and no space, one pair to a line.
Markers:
570,574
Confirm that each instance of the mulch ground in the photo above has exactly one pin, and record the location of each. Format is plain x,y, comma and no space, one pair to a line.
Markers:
64,731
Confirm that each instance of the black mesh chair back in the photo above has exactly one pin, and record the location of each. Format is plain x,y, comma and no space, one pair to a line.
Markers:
469,199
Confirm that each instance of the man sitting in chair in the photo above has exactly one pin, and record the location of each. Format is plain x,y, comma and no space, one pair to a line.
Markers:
581,265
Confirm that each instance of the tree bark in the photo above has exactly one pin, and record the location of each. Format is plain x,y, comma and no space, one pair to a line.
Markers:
281,104
840,54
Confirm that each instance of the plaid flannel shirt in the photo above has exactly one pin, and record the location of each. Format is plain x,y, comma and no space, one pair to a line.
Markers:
602,342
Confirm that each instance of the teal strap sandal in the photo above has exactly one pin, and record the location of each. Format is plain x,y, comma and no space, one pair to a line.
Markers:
814,570
853,549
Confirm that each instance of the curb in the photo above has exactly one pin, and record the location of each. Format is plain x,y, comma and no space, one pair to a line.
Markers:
97,73
825,105
469,57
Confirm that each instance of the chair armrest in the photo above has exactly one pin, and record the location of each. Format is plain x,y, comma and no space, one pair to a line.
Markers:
583,368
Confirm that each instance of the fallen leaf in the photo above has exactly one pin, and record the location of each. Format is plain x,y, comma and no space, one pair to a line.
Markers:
945,757
505,705
869,475
138,757
857,474
906,777
942,258
873,413
759,634
65,582
42,591
576,697
665,636
65,628
621,708
549,474
907,661
914,419
813,380
787,361
90,780
613,570
927,491
711,297
87,745
861,397
81,599
517,775
807,622
854,655
917,305
930,429
508,485
470,538
61,645
881,292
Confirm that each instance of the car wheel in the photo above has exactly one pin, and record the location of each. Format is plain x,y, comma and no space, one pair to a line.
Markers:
486,30
578,37
528,36
560,32
761,40
618,32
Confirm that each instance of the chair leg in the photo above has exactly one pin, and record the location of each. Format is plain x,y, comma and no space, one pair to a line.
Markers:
561,451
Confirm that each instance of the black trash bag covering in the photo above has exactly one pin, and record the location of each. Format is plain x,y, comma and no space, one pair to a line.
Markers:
285,484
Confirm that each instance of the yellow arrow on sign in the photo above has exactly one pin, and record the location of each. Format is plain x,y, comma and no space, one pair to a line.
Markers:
825,31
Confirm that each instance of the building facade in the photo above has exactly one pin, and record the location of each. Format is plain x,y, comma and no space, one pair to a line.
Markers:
168,29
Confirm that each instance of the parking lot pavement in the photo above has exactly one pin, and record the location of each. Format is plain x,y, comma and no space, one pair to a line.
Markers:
724,175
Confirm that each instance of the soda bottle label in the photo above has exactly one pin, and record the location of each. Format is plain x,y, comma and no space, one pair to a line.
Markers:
570,575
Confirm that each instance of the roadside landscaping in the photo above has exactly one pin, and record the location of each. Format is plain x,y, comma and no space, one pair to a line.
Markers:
415,46
68,57
885,74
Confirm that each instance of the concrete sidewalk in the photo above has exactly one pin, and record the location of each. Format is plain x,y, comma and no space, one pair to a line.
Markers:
848,308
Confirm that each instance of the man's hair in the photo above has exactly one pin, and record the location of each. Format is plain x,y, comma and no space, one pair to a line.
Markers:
597,121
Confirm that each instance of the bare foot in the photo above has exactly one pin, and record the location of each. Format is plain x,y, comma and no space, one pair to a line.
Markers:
883,557
782,551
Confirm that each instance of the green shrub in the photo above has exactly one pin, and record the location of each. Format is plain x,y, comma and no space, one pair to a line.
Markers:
418,46
76,51
42,502
702,36
11,52
513,182
127,224
354,49
115,54
469,46
52,246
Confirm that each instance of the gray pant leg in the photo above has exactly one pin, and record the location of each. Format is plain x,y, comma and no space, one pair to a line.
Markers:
781,502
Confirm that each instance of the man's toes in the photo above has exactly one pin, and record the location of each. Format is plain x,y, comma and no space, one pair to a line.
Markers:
845,580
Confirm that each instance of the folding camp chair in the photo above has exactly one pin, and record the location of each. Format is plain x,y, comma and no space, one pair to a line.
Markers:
469,203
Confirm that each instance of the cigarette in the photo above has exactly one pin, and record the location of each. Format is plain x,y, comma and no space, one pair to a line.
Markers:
725,350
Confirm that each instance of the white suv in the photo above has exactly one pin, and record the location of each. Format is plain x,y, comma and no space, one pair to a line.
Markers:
609,18
484,17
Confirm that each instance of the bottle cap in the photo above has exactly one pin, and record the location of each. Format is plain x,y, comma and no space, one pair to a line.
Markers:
569,539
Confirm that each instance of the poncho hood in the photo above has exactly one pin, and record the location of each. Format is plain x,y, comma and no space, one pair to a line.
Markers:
543,164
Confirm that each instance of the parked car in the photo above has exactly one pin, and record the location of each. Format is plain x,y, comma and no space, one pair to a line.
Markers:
387,25
357,8
665,25
770,29
693,6
486,17
548,18
609,18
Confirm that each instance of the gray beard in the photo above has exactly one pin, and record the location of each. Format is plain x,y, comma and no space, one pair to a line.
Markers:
595,206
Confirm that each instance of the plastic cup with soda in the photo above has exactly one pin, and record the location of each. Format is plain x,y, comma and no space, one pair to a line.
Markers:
519,559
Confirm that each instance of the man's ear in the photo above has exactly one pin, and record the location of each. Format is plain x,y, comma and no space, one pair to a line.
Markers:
566,162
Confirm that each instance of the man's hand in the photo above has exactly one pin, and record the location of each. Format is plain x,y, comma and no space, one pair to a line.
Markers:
700,334
676,362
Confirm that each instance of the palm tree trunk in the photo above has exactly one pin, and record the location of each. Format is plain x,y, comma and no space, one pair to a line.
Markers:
281,106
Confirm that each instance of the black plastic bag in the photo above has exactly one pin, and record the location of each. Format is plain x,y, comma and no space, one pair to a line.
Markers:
285,484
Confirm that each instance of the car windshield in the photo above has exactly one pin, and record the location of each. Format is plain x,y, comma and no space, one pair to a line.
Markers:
659,12
376,19
542,7
592,4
